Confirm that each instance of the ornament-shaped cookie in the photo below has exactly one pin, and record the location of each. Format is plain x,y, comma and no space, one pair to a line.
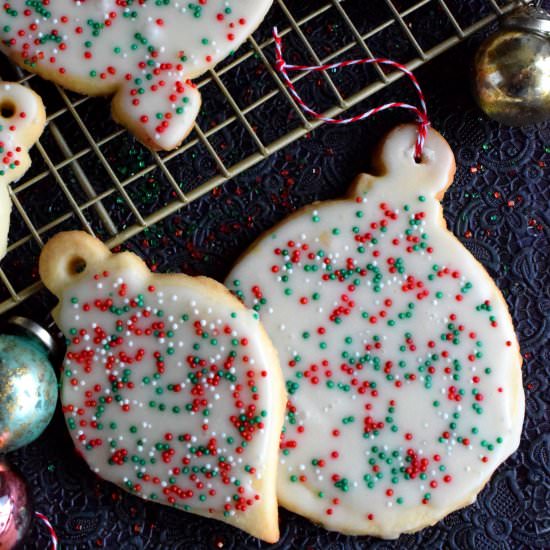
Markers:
399,354
22,119
145,53
170,388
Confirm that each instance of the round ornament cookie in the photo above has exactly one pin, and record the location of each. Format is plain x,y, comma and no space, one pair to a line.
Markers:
22,120
401,363
145,53
171,388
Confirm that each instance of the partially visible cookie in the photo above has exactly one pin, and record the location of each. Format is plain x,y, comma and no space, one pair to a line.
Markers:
22,120
143,52
399,354
171,388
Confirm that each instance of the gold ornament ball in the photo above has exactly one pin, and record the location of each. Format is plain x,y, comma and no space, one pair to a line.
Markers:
512,70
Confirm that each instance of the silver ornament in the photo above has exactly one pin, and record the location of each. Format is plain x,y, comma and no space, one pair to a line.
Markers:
512,69
28,386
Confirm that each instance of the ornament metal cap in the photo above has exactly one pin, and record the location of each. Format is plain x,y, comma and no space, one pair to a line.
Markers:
529,18
28,325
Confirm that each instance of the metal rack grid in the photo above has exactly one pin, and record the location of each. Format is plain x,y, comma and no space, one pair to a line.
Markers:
88,210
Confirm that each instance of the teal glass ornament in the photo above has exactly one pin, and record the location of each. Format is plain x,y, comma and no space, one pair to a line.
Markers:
28,385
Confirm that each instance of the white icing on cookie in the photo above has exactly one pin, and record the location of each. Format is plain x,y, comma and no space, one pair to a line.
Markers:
171,388
22,119
144,51
400,358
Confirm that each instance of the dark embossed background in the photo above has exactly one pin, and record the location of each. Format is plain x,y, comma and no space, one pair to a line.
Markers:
499,209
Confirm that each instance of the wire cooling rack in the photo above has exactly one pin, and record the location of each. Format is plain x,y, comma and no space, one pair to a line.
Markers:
88,173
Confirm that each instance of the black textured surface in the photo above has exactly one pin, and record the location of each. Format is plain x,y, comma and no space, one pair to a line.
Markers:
498,207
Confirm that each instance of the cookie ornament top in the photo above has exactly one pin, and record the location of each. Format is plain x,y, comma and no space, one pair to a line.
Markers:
400,359
144,52
170,387
22,119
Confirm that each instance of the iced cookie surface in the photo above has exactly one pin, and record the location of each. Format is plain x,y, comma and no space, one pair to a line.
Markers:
171,388
22,120
399,354
145,52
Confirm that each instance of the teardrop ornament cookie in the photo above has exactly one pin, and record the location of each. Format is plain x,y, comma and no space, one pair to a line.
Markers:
171,388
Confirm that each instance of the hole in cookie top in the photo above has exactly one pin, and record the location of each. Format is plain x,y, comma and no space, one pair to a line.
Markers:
7,108
77,265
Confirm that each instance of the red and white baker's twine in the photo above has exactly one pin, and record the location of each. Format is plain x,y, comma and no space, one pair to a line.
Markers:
421,113
51,530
